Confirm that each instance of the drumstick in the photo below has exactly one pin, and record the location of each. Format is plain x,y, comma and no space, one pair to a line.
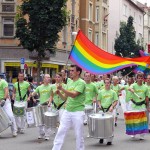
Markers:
137,95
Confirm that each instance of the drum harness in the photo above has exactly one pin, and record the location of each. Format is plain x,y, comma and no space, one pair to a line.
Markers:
105,109
21,99
59,106
138,103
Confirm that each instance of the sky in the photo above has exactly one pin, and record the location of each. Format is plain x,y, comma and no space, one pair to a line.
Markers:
145,1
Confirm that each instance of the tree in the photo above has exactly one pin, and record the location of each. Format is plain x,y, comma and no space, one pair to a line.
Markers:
38,24
125,44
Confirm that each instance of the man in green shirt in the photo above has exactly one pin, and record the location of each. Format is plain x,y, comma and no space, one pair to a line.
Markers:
90,93
20,96
140,96
44,92
6,105
74,113
107,100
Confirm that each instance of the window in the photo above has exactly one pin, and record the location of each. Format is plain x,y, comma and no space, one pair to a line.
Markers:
134,17
97,38
8,26
8,0
90,11
125,10
97,14
140,20
8,8
90,34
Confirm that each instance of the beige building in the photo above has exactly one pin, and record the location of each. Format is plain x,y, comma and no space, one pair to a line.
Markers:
146,26
93,21
11,53
119,11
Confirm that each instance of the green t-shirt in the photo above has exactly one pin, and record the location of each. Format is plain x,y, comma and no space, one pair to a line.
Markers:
23,89
77,103
44,92
56,97
107,97
128,93
3,85
148,86
90,93
142,92
116,88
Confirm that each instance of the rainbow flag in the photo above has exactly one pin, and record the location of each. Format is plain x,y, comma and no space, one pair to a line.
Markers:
136,123
97,61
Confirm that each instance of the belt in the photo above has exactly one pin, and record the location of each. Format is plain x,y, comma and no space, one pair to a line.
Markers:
138,103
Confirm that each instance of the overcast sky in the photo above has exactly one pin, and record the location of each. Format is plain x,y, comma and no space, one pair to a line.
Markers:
145,1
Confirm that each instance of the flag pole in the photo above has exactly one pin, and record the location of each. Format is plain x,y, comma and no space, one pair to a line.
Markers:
73,33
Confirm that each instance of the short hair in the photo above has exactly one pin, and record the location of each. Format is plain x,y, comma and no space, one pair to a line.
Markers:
59,73
115,77
140,74
107,79
77,68
30,79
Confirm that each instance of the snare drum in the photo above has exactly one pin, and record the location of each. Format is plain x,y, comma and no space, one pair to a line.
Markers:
136,122
4,120
19,109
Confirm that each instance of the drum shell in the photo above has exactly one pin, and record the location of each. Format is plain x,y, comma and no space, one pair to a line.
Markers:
88,109
19,109
101,125
51,119
4,120
35,115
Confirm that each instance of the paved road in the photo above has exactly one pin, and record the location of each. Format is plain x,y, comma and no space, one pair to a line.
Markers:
28,141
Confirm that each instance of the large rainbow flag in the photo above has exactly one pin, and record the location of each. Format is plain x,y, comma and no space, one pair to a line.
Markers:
97,61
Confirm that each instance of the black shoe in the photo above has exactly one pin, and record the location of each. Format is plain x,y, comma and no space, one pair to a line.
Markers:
109,143
149,130
115,124
101,141
85,123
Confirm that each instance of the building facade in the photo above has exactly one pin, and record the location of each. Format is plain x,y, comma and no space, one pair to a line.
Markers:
11,53
93,21
119,11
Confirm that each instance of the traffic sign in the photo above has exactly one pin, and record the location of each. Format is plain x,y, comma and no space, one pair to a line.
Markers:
22,60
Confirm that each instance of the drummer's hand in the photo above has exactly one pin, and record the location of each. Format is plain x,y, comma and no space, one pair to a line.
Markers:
34,100
28,99
111,109
49,104
94,100
57,92
59,87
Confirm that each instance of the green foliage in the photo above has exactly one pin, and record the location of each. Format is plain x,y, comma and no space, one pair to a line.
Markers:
125,44
38,23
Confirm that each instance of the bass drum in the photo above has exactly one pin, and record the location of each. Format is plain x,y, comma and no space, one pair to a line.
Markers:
101,125
35,115
4,120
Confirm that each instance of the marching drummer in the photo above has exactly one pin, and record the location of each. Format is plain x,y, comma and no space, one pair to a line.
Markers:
140,101
20,95
90,93
44,92
107,100
58,103
74,113
5,104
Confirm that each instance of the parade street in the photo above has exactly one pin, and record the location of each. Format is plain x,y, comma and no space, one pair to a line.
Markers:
29,141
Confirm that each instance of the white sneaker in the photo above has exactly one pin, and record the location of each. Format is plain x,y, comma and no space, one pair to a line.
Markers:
22,131
41,136
132,136
142,137
46,138
14,134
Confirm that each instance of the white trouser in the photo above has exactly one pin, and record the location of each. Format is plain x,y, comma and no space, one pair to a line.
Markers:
69,119
21,122
8,109
129,106
43,130
61,113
